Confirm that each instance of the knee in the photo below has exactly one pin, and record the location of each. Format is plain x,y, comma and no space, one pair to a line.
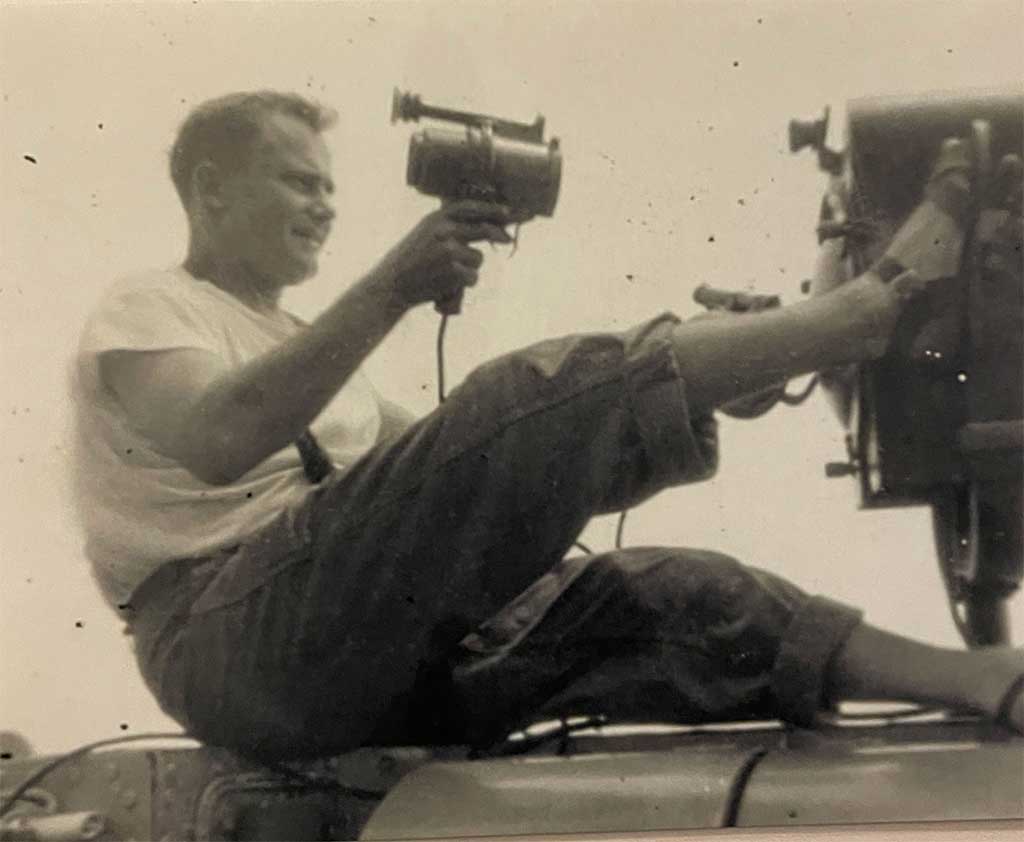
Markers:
700,594
672,580
549,367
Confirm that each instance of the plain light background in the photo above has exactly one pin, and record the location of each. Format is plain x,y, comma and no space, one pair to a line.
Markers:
673,120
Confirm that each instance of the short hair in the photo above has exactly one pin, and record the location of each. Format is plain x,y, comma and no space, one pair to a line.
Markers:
222,130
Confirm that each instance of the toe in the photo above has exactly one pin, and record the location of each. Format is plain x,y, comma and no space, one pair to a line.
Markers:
949,185
1015,716
1009,184
954,157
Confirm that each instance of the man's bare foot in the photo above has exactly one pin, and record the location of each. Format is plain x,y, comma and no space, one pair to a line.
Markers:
999,689
1000,228
930,243
1011,713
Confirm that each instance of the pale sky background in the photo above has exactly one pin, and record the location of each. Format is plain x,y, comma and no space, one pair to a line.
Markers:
669,115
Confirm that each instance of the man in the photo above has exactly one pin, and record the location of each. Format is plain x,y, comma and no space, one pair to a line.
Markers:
418,592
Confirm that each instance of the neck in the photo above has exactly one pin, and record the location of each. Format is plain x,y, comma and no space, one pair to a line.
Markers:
234,278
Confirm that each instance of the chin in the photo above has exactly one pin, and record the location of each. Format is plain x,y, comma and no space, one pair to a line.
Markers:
299,273
310,272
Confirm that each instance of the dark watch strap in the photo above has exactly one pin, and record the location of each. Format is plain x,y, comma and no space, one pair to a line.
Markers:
887,269
315,463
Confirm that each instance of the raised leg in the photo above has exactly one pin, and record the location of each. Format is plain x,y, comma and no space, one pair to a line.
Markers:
314,636
722,359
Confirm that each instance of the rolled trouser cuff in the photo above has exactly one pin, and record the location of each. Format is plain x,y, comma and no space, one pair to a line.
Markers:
811,641
683,446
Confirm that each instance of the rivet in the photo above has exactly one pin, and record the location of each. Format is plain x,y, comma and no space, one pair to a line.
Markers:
112,770
129,798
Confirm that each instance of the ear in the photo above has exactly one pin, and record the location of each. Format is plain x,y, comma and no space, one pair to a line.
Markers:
209,186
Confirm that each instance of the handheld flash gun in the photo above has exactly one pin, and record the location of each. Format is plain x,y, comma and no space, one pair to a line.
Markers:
491,159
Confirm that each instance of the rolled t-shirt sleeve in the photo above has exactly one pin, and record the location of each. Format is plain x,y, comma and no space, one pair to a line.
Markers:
146,319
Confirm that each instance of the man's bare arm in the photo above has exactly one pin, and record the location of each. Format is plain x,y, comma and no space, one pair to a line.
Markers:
220,423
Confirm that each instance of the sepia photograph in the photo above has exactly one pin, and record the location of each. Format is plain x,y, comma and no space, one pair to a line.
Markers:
456,419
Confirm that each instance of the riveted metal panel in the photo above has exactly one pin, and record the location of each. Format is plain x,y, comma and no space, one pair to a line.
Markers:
116,784
930,780
594,793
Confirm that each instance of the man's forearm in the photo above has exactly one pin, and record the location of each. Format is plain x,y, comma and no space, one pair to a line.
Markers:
261,407
248,414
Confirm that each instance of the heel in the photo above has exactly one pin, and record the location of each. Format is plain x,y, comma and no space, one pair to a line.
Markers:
1004,713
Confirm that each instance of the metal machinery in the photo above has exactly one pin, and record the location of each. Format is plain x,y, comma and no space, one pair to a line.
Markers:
604,780
938,420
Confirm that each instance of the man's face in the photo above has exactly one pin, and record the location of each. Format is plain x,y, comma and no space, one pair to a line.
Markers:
278,205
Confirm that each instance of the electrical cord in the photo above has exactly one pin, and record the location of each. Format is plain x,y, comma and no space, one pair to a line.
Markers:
507,747
796,399
44,770
441,329
782,395
620,527
323,782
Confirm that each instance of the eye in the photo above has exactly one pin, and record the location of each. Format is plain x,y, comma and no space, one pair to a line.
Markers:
302,183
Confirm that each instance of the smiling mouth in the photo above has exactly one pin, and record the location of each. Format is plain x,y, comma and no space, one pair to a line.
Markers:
313,238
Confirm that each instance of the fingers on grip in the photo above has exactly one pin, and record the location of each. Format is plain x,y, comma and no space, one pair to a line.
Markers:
470,210
482,232
470,258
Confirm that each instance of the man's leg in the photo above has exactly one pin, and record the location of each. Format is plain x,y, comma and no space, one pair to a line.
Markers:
691,636
646,634
874,664
722,359
315,635
428,537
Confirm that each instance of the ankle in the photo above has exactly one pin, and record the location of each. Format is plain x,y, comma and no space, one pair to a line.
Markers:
930,243
990,673
875,307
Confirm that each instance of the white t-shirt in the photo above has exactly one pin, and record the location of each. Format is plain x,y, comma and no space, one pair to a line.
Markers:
138,507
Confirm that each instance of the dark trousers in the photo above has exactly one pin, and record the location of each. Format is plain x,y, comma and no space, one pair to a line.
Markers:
422,596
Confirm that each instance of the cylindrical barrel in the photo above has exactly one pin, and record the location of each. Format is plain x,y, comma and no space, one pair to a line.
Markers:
476,163
739,302
56,827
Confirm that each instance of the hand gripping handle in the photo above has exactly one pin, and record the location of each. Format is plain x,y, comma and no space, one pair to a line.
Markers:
451,304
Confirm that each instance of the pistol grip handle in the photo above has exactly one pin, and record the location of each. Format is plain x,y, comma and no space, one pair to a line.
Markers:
450,305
